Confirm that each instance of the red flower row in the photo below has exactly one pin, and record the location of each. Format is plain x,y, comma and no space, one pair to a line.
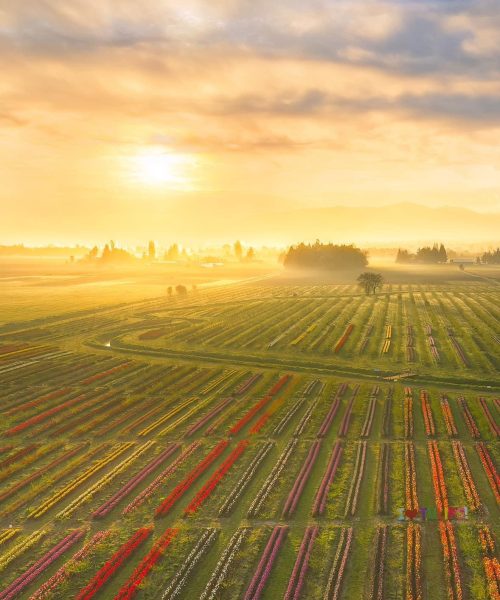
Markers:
345,336
114,563
214,481
104,374
129,588
42,416
184,486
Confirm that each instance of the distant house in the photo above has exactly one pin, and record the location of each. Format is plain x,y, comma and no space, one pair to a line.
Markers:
463,261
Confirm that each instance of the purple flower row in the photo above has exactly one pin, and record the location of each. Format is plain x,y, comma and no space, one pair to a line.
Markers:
302,477
330,415
105,508
301,564
17,586
204,420
367,425
167,472
344,426
261,575
326,482
246,385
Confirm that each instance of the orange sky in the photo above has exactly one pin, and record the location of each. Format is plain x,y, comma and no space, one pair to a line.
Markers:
122,119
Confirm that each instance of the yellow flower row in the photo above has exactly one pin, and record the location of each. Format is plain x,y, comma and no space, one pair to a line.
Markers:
171,413
58,495
21,547
89,492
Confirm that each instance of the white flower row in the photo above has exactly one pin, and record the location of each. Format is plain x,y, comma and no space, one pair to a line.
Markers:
245,479
270,482
194,557
89,492
284,421
225,561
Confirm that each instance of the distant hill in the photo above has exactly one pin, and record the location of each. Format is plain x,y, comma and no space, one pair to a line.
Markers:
365,225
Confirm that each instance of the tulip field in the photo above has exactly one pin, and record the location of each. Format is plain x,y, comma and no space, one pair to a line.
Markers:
262,439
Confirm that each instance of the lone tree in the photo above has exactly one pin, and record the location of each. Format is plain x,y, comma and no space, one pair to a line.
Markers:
370,281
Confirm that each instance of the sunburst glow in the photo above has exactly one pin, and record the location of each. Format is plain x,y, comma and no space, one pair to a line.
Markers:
157,167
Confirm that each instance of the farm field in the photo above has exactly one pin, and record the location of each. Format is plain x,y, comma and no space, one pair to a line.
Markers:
271,438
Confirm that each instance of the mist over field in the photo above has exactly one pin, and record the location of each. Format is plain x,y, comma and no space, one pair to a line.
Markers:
249,300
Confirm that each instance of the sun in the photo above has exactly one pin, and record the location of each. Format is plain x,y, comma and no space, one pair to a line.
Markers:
159,167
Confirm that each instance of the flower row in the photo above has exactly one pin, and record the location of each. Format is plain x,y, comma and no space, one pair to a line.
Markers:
103,481
430,428
224,563
411,497
188,481
245,479
301,480
21,547
383,479
377,579
271,479
344,425
42,416
319,503
466,476
438,480
209,416
451,566
161,478
171,413
491,420
413,562
408,412
451,428
216,478
41,565
124,491
343,339
359,468
337,570
46,590
104,374
489,468
287,417
247,384
299,571
130,587
469,419
181,576
61,493
370,413
261,575
114,563
330,415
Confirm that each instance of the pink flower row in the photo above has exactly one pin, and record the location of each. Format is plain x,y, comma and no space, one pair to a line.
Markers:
301,480
19,584
106,508
261,575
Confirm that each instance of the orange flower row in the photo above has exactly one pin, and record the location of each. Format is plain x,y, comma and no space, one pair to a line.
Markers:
410,477
413,562
451,428
408,412
466,476
490,562
438,476
427,412
490,469
451,566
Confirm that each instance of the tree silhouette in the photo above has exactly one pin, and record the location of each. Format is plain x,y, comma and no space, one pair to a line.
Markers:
325,257
151,250
370,282
238,249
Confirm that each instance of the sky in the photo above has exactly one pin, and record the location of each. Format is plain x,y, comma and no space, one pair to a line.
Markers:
131,119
